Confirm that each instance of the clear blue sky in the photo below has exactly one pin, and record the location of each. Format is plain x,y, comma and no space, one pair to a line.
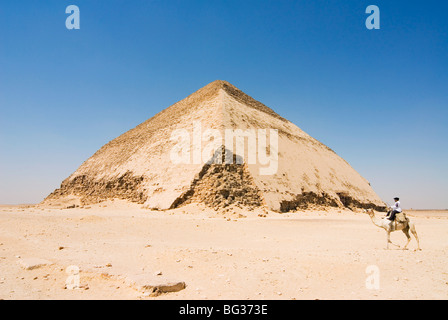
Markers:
379,98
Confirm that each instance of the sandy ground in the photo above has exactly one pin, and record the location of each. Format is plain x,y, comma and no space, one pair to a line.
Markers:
301,255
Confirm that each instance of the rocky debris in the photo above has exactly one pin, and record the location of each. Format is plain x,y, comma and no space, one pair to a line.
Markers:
91,191
33,263
322,200
153,285
220,186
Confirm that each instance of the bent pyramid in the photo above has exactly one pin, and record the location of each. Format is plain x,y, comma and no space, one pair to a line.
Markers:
138,165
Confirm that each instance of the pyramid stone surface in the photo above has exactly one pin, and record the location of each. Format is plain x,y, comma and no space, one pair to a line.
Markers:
137,166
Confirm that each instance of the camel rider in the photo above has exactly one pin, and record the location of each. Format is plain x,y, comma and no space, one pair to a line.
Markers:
394,209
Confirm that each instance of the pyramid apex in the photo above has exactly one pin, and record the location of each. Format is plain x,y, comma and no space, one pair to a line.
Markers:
229,88
220,84
214,86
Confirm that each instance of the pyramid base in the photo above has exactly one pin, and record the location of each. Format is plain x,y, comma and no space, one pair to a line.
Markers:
308,200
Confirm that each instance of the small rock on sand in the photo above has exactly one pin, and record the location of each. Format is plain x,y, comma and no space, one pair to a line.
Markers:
33,263
152,285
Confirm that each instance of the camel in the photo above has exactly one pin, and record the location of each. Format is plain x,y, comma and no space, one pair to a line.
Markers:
404,226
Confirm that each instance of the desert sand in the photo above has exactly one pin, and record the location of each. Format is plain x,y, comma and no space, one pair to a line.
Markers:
313,254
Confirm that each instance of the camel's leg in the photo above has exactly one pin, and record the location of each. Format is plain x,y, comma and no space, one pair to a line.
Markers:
414,232
388,241
406,232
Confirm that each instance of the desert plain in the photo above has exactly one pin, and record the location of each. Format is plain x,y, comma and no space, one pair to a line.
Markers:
238,254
